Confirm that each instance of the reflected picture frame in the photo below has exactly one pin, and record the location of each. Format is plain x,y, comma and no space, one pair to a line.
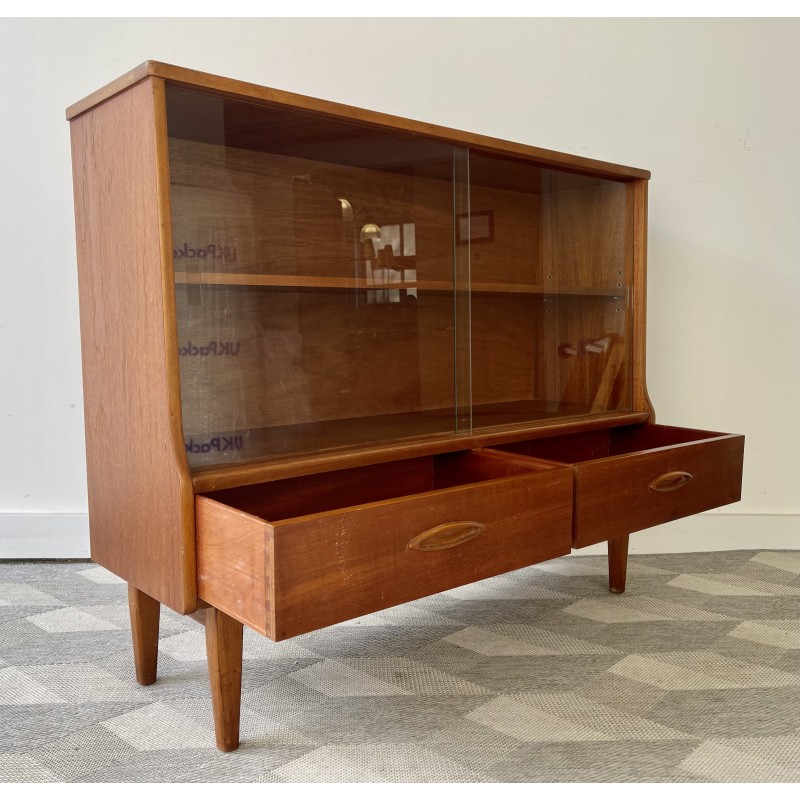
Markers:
475,227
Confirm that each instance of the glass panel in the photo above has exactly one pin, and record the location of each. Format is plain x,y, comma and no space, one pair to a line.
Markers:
463,305
314,280
550,255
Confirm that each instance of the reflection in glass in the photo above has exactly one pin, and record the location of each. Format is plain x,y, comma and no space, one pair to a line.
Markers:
549,280
340,285
337,283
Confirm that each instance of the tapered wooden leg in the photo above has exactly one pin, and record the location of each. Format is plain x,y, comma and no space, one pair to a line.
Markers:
224,648
145,613
617,563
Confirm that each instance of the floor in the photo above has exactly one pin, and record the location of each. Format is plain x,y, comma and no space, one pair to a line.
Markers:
541,675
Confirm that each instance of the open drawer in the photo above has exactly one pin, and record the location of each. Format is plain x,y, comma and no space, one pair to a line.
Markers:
293,555
634,477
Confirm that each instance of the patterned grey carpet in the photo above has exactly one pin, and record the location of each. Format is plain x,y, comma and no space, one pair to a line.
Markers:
538,676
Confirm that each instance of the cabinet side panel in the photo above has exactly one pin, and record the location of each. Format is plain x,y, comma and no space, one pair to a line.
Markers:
140,496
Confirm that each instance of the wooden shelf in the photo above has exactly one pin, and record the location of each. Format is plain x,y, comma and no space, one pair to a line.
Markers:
260,443
301,281
329,446
323,282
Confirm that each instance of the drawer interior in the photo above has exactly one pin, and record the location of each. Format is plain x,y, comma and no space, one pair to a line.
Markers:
314,494
591,445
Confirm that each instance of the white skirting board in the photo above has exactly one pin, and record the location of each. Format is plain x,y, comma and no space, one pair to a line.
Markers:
66,535
53,535
705,533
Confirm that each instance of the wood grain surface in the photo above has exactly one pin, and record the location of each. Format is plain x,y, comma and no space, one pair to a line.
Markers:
234,564
140,496
224,640
613,495
145,613
330,562
226,86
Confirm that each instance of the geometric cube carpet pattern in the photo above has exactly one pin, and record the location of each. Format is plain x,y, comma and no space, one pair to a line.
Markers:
540,675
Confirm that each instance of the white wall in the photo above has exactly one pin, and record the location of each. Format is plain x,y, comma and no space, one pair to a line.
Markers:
710,106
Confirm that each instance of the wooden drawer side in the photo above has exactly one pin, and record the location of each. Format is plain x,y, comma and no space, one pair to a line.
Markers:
234,564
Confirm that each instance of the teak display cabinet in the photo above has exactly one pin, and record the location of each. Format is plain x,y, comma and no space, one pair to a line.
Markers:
336,360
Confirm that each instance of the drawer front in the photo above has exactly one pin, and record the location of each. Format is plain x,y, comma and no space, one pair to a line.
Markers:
621,494
342,564
294,576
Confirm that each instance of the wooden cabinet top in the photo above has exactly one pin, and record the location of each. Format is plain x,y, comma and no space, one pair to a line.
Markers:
181,76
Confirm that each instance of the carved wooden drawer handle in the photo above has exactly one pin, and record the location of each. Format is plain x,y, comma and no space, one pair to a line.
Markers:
670,481
450,534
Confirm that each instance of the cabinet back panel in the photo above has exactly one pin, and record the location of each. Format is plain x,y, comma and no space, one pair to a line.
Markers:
504,246
244,212
586,232
588,341
256,357
506,335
